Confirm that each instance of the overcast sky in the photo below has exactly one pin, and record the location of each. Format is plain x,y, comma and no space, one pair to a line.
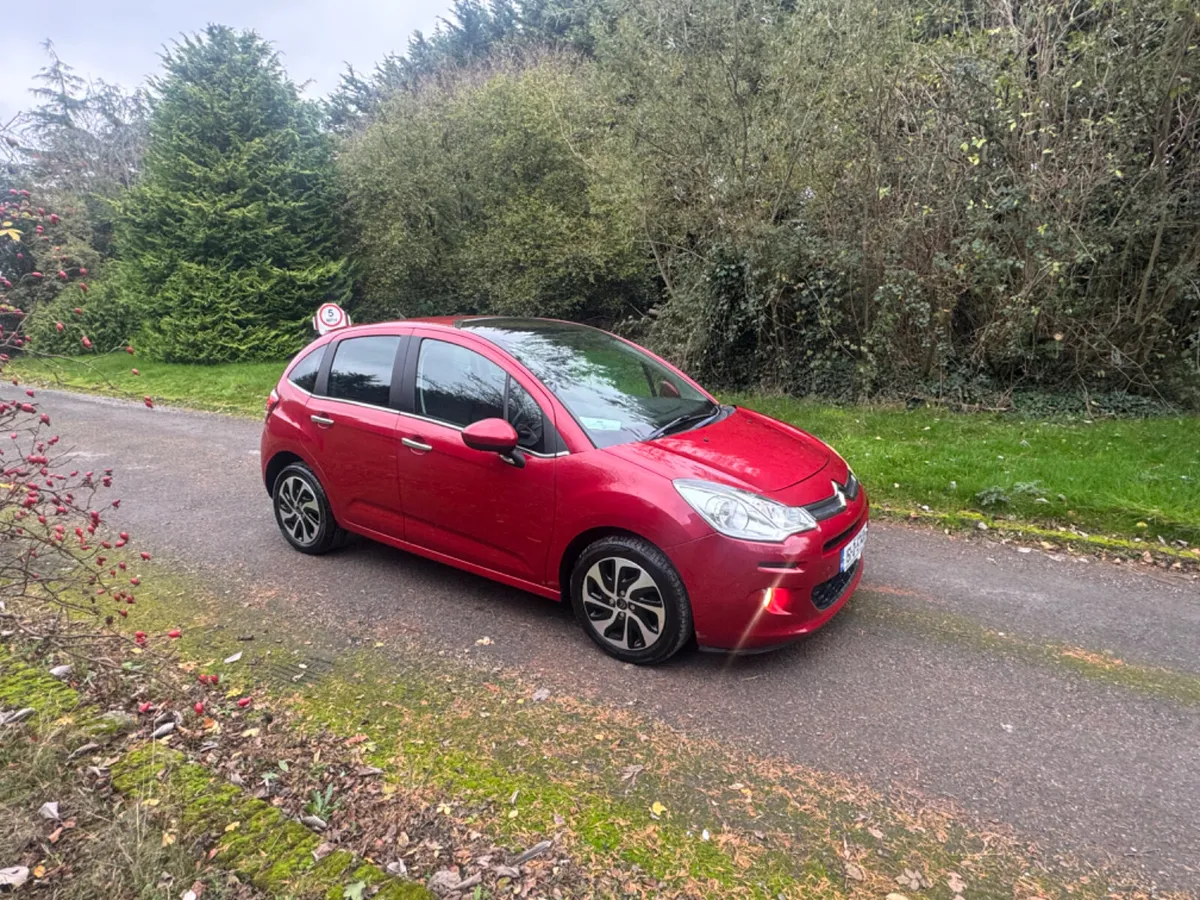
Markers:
120,40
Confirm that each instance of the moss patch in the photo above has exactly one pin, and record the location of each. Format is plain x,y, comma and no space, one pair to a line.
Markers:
254,839
626,797
1094,543
1165,684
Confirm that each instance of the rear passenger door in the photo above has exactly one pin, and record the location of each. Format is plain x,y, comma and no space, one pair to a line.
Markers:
352,428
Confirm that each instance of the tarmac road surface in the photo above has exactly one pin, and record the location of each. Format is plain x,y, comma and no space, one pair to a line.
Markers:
898,690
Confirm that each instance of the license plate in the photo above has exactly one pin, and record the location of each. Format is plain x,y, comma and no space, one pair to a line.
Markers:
852,552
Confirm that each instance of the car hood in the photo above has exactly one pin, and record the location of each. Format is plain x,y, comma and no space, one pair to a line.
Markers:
742,448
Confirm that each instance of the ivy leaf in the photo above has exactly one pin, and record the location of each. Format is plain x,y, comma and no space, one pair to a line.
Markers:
354,891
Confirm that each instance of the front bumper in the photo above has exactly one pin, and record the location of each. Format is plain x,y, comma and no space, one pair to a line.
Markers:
749,597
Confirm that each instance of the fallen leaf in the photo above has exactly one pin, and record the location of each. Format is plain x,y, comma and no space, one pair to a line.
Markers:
855,872
955,882
39,871
234,658
232,826
357,739
657,809
168,839
354,891
484,641
55,835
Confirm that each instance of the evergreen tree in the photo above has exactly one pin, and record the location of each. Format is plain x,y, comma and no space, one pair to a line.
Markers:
227,243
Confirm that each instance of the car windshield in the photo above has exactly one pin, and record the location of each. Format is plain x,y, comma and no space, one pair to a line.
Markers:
615,391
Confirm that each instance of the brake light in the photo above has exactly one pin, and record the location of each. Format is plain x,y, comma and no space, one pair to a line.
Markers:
272,402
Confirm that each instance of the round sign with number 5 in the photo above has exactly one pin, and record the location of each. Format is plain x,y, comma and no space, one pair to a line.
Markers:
330,317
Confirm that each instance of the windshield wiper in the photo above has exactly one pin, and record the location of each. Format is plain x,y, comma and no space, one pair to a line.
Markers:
698,416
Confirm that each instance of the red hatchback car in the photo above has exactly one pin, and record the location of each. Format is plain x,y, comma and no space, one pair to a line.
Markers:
571,463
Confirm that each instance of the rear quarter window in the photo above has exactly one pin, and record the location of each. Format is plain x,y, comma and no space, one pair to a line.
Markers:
304,373
362,369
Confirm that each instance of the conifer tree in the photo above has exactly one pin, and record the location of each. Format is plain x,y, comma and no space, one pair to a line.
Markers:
228,242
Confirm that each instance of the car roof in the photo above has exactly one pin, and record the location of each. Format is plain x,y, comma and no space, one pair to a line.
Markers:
492,322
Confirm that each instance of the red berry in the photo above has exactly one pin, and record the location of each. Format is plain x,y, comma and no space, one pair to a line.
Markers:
199,708
244,702
174,633
59,325
144,708
87,344
149,402
135,371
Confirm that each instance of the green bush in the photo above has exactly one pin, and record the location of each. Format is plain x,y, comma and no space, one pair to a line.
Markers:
484,194
834,196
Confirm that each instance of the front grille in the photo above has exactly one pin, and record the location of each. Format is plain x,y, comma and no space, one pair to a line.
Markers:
835,503
829,592
842,537
827,508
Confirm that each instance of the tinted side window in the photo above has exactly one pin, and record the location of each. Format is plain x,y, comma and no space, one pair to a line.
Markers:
304,374
458,386
525,416
362,369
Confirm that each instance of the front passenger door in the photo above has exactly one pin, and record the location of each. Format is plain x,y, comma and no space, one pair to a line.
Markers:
465,503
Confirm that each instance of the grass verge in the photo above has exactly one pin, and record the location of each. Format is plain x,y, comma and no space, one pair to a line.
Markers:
170,822
1128,478
635,806
238,388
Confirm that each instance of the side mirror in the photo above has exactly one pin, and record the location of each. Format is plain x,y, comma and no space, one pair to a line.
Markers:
490,435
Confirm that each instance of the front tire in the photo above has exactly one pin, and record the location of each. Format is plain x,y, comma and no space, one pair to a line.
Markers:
303,513
630,600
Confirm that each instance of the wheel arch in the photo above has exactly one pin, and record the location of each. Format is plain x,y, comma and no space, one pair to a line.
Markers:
277,464
581,542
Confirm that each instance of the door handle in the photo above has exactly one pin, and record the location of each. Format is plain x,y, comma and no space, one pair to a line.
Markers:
323,421
414,444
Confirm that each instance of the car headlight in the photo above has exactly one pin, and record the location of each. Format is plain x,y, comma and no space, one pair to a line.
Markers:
741,514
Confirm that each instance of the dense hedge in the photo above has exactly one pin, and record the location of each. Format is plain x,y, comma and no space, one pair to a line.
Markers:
836,196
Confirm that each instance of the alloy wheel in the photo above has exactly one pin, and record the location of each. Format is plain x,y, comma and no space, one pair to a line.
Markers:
623,604
299,511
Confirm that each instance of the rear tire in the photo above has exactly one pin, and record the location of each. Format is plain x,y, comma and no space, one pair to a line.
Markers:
302,511
630,600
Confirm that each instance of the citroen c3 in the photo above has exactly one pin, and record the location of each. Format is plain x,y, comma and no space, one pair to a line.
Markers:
571,463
